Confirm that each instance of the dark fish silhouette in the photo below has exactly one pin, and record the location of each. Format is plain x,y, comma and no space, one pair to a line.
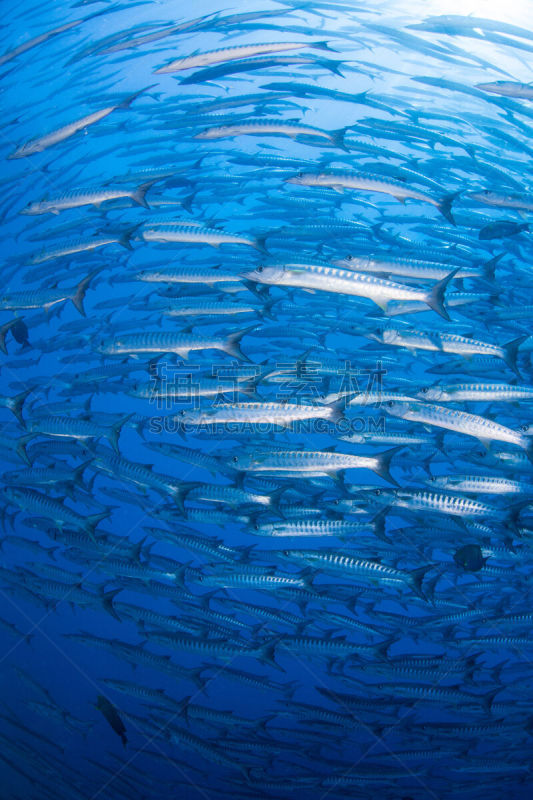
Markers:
470,557
112,716
20,332
497,230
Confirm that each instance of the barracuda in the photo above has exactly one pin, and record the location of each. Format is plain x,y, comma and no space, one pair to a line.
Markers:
317,463
330,647
36,503
213,754
195,275
342,281
274,127
259,62
81,429
409,267
449,343
201,388
209,309
238,580
443,694
168,342
81,246
460,422
282,414
233,496
224,54
508,89
481,484
87,197
372,183
333,527
60,134
139,474
439,503
351,566
47,476
197,235
476,392
47,298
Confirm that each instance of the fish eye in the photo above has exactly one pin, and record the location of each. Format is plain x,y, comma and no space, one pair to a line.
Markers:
377,492
523,428
260,269
235,459
390,403
425,390
256,526
182,412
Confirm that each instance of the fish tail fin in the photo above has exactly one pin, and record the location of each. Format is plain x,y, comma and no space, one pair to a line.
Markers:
337,137
383,464
205,599
338,407
489,268
511,352
260,244
267,651
138,195
78,471
445,206
488,698
529,450
125,237
199,681
275,498
378,524
268,304
92,520
187,202
416,577
382,648
3,330
79,294
435,298
107,602
289,689
233,343
114,432
333,66
129,100
21,447
323,46
17,402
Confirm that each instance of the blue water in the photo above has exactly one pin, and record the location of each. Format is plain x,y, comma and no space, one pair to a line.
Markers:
391,659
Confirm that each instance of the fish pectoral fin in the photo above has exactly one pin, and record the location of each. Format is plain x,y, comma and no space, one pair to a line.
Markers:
485,442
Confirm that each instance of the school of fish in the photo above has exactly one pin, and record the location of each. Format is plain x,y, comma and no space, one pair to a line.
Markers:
266,417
